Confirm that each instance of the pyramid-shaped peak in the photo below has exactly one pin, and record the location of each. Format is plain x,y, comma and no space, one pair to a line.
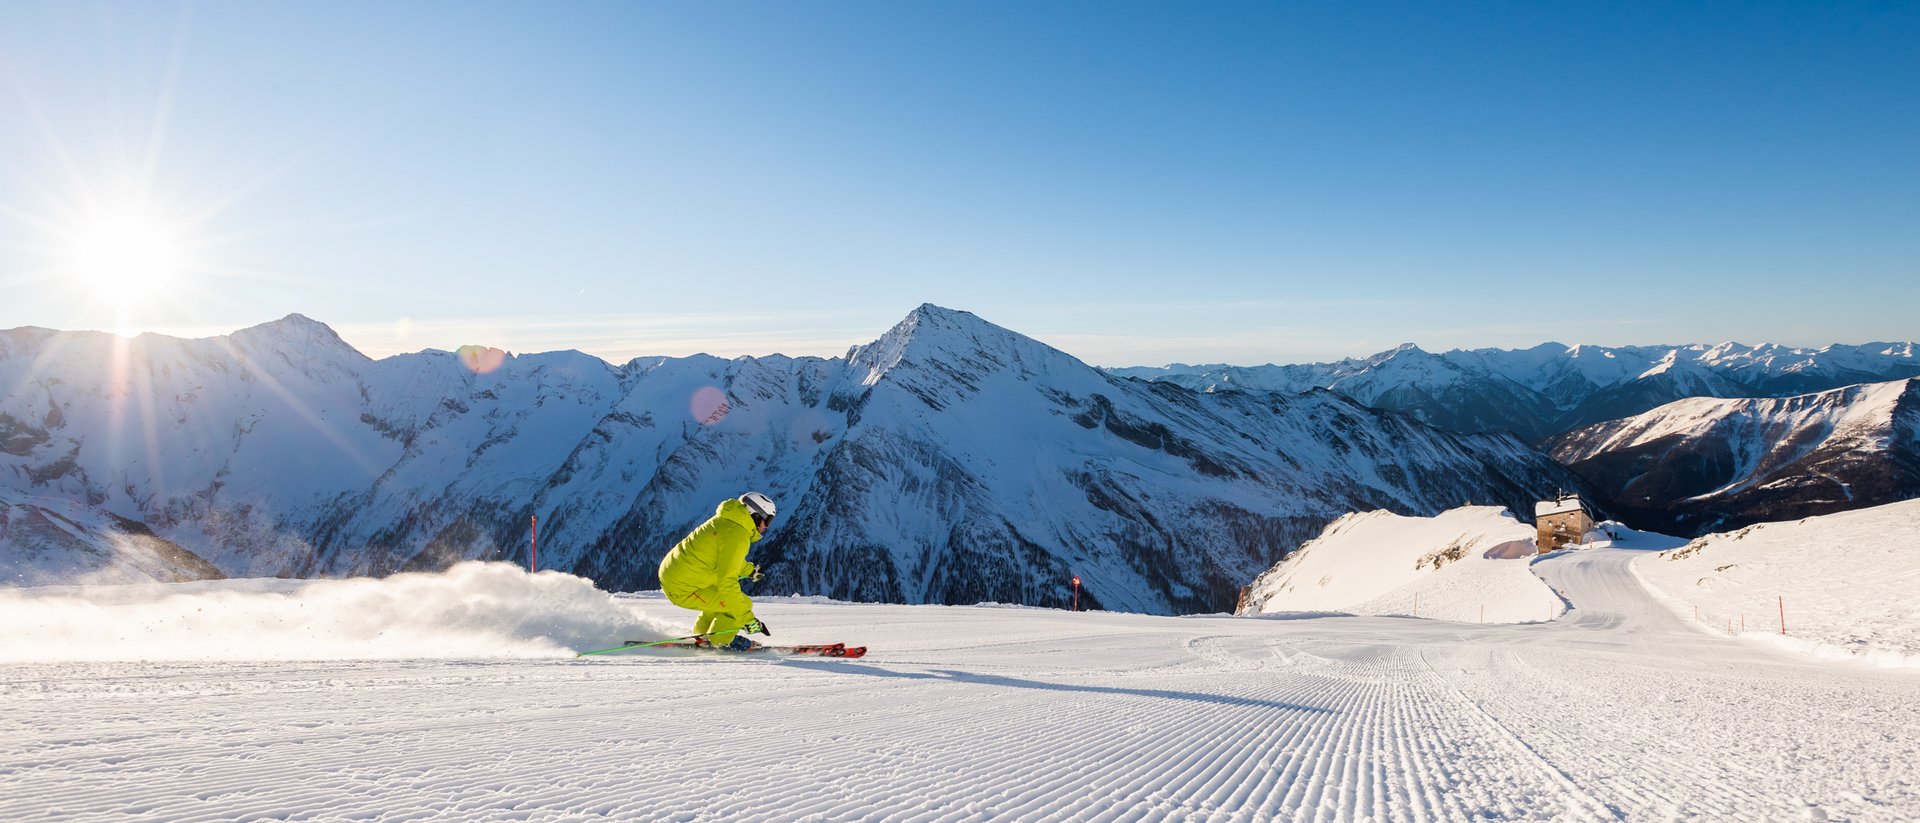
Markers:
1407,351
932,316
934,324
294,331
935,333
295,323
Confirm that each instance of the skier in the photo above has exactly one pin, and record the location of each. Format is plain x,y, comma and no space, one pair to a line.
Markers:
703,572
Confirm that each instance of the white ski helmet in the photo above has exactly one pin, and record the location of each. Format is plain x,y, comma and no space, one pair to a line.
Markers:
758,503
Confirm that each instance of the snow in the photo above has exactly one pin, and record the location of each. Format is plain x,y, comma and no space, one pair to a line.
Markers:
1847,583
1468,564
473,610
1612,534
1619,710
1556,506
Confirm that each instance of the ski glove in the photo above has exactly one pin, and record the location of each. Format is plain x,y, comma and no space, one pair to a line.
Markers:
750,572
756,626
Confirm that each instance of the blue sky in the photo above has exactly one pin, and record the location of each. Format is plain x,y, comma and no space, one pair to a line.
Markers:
1136,183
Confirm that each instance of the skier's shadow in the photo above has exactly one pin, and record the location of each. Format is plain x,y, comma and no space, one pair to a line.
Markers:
1021,683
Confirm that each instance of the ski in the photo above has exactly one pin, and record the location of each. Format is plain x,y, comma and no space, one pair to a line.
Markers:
817,650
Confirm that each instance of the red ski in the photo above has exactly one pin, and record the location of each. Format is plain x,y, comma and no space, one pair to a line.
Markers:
819,650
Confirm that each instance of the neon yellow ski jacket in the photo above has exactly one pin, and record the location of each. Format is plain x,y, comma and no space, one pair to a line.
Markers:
714,556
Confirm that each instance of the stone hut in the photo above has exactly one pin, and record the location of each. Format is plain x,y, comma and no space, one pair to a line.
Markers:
1562,521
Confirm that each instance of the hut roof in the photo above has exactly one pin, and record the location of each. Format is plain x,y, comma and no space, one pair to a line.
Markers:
1562,505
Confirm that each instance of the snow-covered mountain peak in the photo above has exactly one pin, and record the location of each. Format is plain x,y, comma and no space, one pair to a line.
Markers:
1664,365
1402,352
1890,349
931,334
294,335
1704,463
1727,350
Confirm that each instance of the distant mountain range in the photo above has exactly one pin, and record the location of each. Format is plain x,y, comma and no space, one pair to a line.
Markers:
1704,465
1551,388
949,461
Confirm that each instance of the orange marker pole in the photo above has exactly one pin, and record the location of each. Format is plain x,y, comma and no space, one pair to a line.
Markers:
533,556
1783,615
1076,592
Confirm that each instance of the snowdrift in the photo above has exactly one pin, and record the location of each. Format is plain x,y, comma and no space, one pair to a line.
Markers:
473,610
1848,582
1469,564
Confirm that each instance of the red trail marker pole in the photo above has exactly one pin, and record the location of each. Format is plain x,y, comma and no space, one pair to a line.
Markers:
533,555
1783,615
1076,592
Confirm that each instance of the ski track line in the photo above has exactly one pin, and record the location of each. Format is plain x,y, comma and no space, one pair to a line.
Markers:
1417,752
1728,780
1473,780
1636,781
1585,804
1008,783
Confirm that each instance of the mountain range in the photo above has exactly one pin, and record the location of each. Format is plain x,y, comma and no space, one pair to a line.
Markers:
1702,465
1551,389
949,461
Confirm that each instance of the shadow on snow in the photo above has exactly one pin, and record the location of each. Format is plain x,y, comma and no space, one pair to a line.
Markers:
950,675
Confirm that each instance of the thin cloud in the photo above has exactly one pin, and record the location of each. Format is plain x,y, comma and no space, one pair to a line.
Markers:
619,338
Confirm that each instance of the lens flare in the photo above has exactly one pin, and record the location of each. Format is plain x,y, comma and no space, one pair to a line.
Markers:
709,405
481,359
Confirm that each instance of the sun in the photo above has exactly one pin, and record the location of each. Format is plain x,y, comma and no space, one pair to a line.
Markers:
124,256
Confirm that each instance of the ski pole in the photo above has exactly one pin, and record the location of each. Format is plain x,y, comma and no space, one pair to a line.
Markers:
655,642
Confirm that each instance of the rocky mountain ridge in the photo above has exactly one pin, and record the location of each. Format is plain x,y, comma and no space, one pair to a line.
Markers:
1550,389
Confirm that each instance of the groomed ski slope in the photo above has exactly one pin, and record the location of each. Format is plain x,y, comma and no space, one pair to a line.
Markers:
1615,711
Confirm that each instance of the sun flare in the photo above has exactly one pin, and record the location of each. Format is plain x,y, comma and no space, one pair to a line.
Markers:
125,256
